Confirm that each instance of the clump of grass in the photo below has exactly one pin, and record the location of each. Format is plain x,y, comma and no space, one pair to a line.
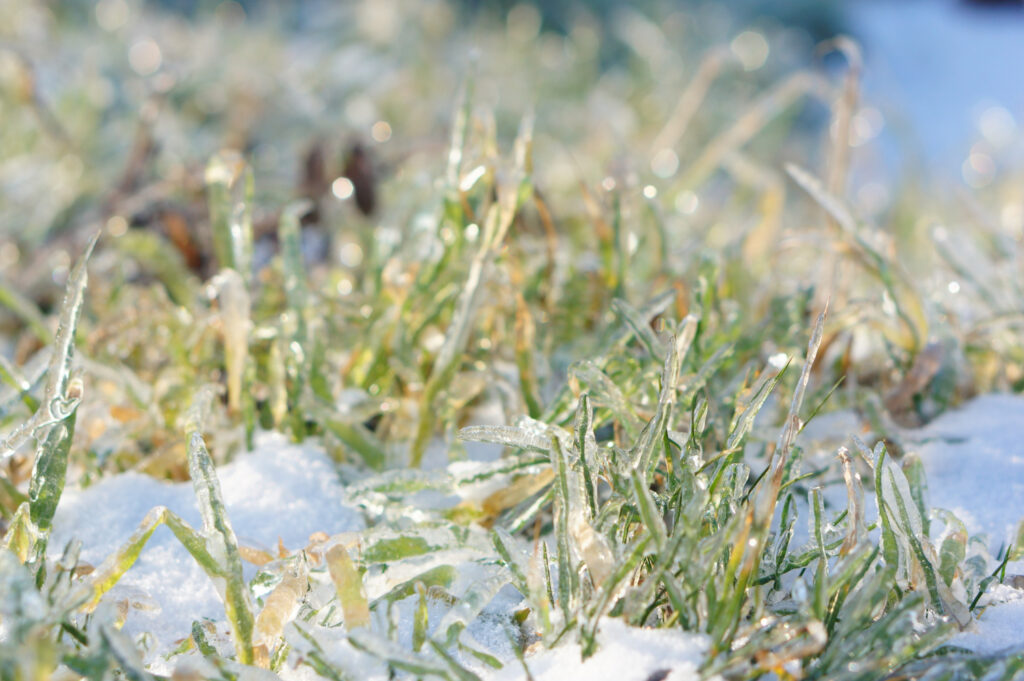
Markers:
653,466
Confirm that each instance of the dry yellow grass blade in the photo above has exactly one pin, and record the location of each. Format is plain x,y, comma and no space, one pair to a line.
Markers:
349,585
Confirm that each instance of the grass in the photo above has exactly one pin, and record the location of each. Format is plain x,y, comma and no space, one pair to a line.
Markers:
655,365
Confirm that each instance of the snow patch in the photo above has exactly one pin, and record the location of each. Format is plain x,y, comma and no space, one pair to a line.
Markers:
624,653
279,490
974,461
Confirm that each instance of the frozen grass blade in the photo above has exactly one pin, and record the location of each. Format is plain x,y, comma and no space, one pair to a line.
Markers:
618,340
352,435
741,428
292,261
505,546
222,546
348,583
606,393
396,655
233,297
229,184
792,425
586,448
854,503
56,403
643,331
566,574
48,476
469,606
818,602
643,453
508,436
915,553
279,608
439,578
53,424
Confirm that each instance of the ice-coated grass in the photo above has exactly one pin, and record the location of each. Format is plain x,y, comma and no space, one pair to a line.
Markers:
653,339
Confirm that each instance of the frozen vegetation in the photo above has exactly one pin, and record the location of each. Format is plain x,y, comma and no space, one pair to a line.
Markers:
368,342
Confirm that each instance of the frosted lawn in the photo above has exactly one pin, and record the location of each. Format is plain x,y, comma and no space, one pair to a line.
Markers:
974,458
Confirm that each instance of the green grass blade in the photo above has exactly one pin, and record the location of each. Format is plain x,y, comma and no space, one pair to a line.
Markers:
165,262
57,404
508,436
25,309
229,186
642,330
566,573
220,538
48,476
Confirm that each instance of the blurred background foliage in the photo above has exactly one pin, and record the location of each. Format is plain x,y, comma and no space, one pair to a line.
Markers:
661,136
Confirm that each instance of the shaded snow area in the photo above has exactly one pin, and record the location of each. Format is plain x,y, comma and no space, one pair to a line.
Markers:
625,653
974,459
1000,625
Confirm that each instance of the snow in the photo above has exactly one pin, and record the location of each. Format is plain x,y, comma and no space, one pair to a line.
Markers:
1001,623
974,461
625,653
998,628
279,490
